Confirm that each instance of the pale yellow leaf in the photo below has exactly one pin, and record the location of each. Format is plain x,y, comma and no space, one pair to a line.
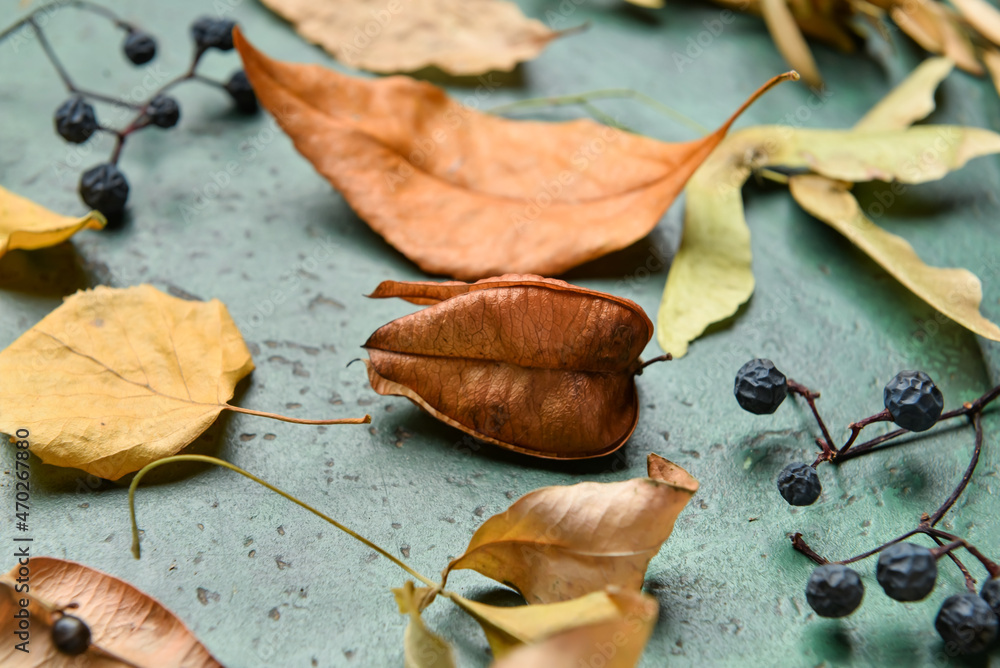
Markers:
910,101
789,40
614,643
26,225
422,648
710,275
559,543
507,628
982,16
956,293
116,378
460,37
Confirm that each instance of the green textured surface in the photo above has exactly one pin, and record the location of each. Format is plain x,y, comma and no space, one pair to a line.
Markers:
291,261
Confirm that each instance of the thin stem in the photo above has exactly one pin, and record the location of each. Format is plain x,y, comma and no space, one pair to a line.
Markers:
136,551
661,358
970,582
284,418
799,543
865,555
977,422
827,443
856,427
991,567
51,54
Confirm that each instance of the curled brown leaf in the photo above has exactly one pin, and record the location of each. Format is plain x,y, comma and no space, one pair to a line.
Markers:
531,364
559,543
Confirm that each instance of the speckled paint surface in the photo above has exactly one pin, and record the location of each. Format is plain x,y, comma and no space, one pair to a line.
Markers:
263,583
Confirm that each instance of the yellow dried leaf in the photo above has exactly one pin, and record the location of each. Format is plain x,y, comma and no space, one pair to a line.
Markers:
460,37
711,274
507,628
560,543
789,40
910,101
114,379
422,648
956,293
26,225
615,643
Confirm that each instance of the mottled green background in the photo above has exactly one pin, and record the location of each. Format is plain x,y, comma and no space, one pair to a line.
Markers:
261,582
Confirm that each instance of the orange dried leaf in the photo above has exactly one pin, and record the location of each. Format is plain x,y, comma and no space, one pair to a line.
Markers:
128,627
532,364
460,37
467,194
559,543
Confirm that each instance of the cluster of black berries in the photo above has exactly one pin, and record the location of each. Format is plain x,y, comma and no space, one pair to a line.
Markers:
967,622
104,187
911,398
907,572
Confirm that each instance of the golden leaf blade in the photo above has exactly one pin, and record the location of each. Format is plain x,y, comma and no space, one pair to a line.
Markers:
116,378
991,58
124,622
920,22
560,543
460,37
789,40
955,42
910,101
28,226
467,194
982,16
956,293
619,641
422,648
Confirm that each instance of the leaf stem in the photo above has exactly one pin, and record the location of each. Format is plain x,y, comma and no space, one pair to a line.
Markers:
136,550
284,418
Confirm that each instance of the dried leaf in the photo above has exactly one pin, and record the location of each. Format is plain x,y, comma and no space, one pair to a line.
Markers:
560,543
955,41
26,225
789,40
422,648
470,195
507,628
128,627
615,643
910,101
460,37
532,364
114,379
711,276
991,58
919,21
983,16
956,293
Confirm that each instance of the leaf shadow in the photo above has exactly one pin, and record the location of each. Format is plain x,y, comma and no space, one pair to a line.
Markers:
55,272
489,81
647,257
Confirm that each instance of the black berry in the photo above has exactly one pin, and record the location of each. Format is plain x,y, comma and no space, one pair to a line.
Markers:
104,188
913,400
241,91
163,111
799,485
139,47
991,594
906,571
76,120
71,635
834,590
212,33
966,623
760,388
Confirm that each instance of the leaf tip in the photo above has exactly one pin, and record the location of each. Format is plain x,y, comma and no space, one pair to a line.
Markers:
663,470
